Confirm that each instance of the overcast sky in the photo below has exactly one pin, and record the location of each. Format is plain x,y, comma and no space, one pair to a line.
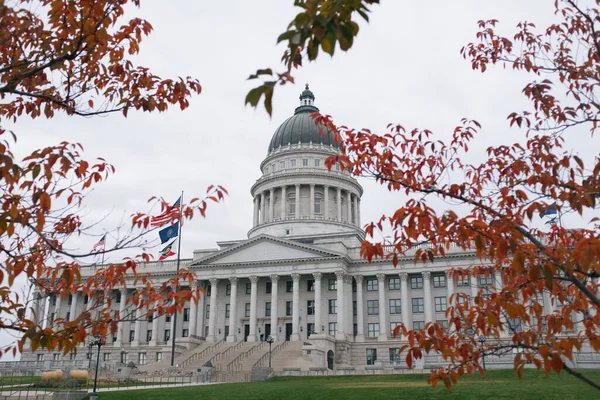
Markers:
405,67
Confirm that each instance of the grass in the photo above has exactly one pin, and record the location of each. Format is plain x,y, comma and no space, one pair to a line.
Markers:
495,385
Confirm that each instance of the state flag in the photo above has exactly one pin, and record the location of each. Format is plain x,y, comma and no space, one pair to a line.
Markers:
168,233
167,252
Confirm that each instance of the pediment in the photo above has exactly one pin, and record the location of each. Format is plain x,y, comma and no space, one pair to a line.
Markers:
265,249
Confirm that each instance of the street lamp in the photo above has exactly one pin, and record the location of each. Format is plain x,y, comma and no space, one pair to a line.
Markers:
270,341
97,341
481,342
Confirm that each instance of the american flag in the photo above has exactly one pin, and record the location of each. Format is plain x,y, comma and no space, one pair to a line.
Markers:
100,243
167,216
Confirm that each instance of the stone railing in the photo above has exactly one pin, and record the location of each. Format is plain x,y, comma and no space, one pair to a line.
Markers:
236,363
265,357
201,354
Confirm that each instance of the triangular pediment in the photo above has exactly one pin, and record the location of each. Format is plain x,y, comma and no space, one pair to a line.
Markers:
265,249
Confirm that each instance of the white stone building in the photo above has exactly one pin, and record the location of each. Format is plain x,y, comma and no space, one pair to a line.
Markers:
298,277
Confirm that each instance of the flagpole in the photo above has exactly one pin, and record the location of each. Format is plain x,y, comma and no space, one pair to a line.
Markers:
177,272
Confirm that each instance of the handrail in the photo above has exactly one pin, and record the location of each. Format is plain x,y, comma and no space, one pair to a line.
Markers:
264,357
202,353
236,362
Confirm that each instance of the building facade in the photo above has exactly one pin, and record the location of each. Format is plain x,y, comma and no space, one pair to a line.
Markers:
298,276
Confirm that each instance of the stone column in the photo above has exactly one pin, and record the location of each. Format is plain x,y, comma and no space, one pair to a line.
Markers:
256,202
193,310
427,296
340,335
201,310
271,204
43,322
326,202
450,286
358,210
57,306
73,310
382,308
360,320
274,290
312,201
339,204
473,286
232,337
253,295
355,221
122,304
138,327
155,317
261,207
406,307
317,276
283,202
36,307
212,317
349,207
296,308
298,216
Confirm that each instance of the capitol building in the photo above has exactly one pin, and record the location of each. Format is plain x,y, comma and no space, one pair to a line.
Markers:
298,277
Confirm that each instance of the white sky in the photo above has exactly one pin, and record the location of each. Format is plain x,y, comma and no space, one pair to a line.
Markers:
405,67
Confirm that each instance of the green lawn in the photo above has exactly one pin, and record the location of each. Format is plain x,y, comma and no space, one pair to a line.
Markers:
495,385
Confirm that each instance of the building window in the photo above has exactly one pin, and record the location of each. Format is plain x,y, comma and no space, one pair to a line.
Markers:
373,329
40,357
186,315
167,335
227,310
373,307
268,287
288,308
372,285
332,306
292,205
207,311
305,162
310,285
418,305
268,309
85,299
310,329
317,162
443,323
463,298
394,357
209,290
293,163
317,205
485,280
248,288
394,284
418,325
228,290
70,299
68,316
151,318
332,328
440,304
131,336
54,300
310,307
282,164
185,333
142,358
247,310
118,297
395,306
393,326
332,284
462,280
416,282
56,356
148,336
159,356
88,356
439,281
371,356
289,286
168,318
515,325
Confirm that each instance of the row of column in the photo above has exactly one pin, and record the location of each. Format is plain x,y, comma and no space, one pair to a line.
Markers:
264,214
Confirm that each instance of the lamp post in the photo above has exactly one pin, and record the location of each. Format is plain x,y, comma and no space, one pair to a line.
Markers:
97,341
482,342
270,341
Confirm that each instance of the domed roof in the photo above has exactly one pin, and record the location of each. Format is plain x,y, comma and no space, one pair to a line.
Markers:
301,128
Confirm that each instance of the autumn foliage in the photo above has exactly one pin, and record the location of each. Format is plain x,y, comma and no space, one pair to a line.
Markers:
543,304
74,56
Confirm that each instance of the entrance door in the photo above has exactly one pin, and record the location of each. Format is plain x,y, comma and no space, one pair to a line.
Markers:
246,332
267,330
226,331
288,332
330,359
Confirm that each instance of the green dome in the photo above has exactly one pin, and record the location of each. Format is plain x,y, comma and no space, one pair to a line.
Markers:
301,128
